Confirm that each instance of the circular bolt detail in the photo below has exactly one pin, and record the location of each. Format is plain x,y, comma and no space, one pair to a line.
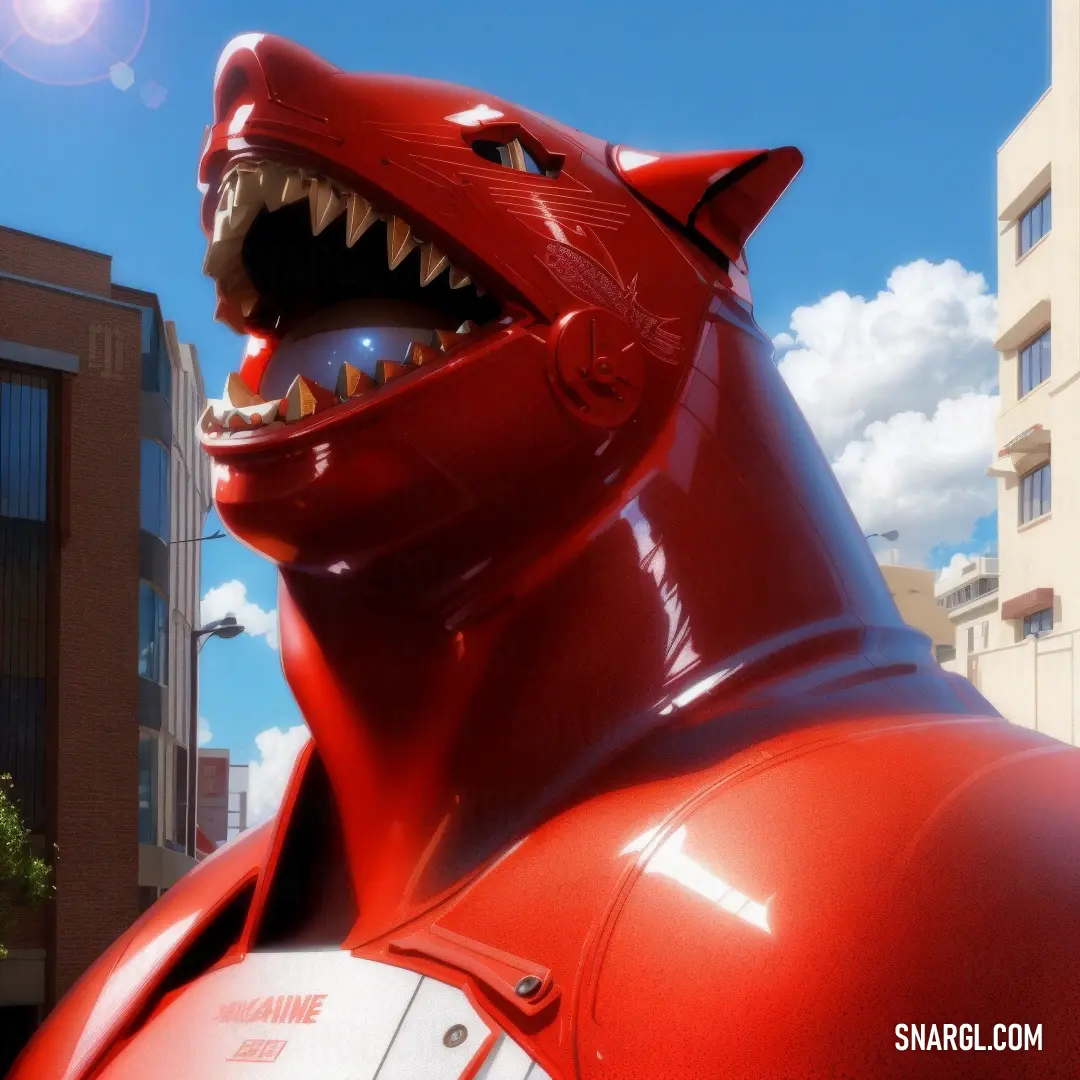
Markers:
527,986
455,1036
597,367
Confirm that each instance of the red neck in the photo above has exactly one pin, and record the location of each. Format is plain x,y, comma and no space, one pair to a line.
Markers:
445,736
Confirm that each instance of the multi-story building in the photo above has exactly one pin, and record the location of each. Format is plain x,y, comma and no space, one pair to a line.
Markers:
98,477
912,589
970,605
223,790
1031,660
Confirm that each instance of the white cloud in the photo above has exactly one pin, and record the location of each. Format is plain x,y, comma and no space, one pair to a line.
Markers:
206,736
231,599
901,392
949,575
268,775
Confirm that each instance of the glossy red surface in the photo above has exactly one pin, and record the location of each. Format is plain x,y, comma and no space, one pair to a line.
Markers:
606,689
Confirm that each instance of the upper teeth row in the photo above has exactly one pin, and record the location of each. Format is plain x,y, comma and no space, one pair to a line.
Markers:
250,187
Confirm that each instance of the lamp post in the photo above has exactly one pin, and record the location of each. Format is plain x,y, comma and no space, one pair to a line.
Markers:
892,534
227,627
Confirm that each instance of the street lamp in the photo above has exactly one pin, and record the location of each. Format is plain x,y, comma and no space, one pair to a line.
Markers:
892,534
227,627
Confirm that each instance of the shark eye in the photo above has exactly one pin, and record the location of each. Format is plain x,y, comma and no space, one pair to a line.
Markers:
511,155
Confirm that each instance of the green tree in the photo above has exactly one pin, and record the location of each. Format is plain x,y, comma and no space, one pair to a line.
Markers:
25,878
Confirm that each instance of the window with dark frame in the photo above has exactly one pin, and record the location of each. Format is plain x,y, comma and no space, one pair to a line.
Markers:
27,538
1034,365
1033,225
1039,622
153,634
1035,494
154,489
156,369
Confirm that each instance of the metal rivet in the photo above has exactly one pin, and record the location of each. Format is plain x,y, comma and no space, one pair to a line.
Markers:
527,986
455,1036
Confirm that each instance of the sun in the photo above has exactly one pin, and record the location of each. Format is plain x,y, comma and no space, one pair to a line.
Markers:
56,22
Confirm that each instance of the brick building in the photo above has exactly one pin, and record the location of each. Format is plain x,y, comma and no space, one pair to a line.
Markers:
99,475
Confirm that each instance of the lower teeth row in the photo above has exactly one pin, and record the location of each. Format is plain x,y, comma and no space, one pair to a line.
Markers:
241,410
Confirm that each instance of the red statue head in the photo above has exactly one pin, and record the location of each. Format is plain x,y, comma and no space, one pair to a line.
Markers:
508,428
461,312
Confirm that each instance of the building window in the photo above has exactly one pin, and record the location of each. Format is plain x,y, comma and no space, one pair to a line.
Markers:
1035,363
180,799
153,634
1035,494
971,639
148,776
156,369
154,489
26,542
1040,622
1034,225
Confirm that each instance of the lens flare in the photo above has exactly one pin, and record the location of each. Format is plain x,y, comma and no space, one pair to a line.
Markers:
71,42
56,22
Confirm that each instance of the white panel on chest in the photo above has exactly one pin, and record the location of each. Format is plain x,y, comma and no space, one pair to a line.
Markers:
318,1015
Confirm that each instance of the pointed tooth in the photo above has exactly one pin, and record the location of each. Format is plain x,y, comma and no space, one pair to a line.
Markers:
248,304
352,381
241,216
296,187
326,205
467,327
432,263
400,241
360,218
385,370
418,355
304,398
227,312
209,421
448,339
273,181
238,394
481,291
222,231
228,191
220,256
299,400
248,189
458,278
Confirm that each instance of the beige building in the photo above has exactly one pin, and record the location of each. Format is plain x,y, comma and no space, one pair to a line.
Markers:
970,605
913,591
1029,667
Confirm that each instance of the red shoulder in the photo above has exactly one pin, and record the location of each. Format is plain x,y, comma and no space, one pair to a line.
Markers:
96,1008
790,918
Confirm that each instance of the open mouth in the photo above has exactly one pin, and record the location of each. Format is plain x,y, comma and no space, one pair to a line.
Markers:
348,298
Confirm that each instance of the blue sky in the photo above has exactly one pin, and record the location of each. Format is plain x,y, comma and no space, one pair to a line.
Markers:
899,110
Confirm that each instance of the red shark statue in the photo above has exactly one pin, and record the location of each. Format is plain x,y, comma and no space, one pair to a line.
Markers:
623,763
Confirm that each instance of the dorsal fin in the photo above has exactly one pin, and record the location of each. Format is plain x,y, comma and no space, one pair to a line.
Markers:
723,195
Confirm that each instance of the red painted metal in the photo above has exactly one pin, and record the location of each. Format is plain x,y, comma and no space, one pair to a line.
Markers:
614,693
